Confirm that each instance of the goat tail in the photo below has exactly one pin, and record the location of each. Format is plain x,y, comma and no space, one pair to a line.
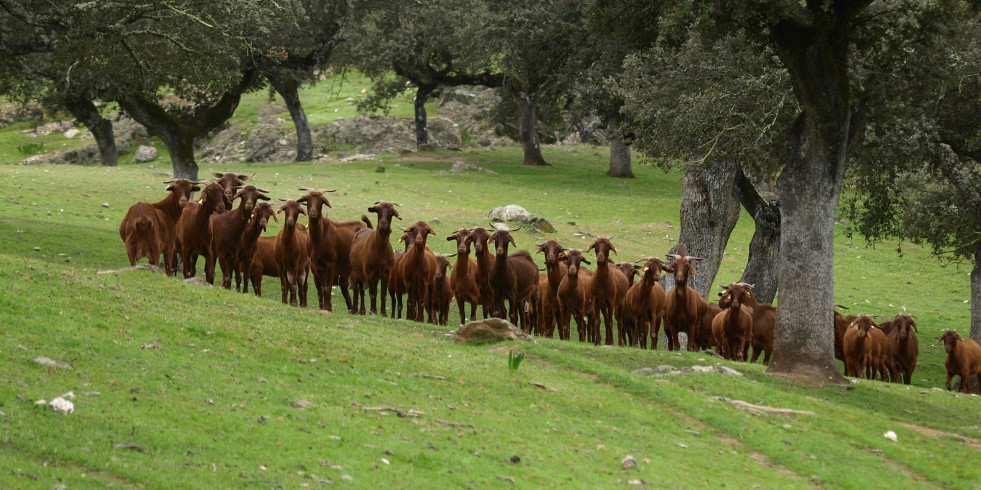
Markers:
366,220
143,223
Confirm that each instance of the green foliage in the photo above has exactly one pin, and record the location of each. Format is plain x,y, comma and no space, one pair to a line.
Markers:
514,361
31,147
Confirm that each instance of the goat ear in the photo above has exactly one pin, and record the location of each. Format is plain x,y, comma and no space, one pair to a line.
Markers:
451,237
301,211
195,188
396,213
275,218
511,239
613,249
373,209
913,324
586,261
429,229
590,248
691,268
541,248
304,198
237,195
170,188
327,203
263,197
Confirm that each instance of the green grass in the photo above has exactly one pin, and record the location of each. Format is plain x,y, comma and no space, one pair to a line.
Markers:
214,404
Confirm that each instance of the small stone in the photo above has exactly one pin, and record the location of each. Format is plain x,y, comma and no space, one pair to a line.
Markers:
105,205
890,435
303,404
61,405
515,459
628,462
145,154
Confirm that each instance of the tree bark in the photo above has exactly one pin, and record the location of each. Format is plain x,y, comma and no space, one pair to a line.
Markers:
101,128
809,188
527,120
764,250
619,152
709,212
422,95
958,176
180,129
288,89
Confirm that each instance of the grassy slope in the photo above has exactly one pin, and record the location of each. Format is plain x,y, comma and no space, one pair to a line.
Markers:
213,405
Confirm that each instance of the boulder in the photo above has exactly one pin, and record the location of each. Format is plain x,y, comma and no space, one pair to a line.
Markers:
145,154
490,330
521,217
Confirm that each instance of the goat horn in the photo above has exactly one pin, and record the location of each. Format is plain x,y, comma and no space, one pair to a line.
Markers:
170,181
262,190
841,306
243,177
216,174
305,189
674,256
324,191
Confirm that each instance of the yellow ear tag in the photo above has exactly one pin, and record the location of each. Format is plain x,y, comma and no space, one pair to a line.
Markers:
646,269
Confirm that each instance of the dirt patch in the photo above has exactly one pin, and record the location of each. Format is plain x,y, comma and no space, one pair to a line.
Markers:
938,434
422,157
910,473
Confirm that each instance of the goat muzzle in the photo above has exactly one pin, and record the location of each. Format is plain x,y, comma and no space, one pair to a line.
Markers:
462,250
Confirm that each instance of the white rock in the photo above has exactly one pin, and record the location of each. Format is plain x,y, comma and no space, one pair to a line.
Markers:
628,462
145,154
890,435
61,405
71,133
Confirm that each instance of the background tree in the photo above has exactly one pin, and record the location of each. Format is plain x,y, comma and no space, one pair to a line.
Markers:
178,67
536,42
424,44
295,51
715,103
916,161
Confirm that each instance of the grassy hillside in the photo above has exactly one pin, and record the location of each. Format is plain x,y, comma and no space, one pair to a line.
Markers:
183,386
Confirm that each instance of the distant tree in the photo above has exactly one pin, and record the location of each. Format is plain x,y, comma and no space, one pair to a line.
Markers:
422,44
177,67
536,42
296,51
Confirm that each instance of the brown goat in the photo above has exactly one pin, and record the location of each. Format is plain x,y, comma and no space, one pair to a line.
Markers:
555,270
639,308
608,289
573,297
963,359
227,229
263,262
292,253
904,348
733,326
764,322
514,278
440,292
396,287
704,337
249,243
149,230
463,278
372,257
330,249
194,232
879,360
480,237
230,182
841,324
857,347
417,270
685,307
631,270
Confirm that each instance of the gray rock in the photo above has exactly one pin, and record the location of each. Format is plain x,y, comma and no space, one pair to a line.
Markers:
490,330
145,154
196,281
521,217
47,361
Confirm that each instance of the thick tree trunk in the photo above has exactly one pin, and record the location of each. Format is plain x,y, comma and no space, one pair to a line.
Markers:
809,189
288,89
619,152
958,176
422,95
180,146
527,120
764,250
101,128
709,212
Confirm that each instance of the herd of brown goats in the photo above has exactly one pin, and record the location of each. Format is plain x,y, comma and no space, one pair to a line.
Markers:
359,256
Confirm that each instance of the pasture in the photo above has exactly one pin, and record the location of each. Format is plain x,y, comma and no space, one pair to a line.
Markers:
186,386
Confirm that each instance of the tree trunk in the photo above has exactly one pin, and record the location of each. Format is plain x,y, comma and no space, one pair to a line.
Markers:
976,295
709,212
764,250
527,102
180,129
958,176
288,89
422,131
101,128
619,152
